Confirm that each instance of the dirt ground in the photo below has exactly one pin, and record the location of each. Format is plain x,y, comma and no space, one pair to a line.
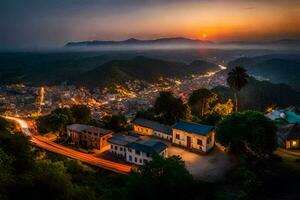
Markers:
209,167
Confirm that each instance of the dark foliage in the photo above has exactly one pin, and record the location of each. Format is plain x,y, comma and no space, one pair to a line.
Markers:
55,121
170,109
248,133
165,179
116,122
81,114
258,95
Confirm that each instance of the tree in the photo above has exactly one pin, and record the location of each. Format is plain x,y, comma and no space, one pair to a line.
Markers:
55,121
248,133
164,179
51,178
170,109
223,109
6,177
17,145
81,113
237,79
200,101
5,126
116,122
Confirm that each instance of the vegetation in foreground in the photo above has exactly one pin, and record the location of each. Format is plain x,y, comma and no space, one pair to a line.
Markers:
259,174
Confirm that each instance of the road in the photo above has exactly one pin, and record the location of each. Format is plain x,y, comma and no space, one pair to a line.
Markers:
62,150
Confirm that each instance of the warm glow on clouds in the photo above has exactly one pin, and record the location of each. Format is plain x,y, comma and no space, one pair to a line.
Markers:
56,22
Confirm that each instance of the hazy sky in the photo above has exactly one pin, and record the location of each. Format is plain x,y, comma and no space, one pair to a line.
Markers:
40,23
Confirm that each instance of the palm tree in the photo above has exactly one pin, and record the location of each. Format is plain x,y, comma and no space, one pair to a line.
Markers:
237,79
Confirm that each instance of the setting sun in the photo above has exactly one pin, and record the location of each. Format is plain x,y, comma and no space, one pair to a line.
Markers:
203,35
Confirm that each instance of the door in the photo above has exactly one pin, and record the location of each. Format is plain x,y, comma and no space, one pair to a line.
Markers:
188,141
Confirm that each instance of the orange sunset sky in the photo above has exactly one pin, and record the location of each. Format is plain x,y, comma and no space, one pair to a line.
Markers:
55,22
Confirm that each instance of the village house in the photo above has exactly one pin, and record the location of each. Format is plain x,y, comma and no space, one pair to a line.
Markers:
148,127
89,136
141,152
194,136
118,144
134,151
289,136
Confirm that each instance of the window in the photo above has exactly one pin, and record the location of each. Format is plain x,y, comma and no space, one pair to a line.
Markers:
148,155
141,161
177,136
135,159
129,150
137,152
112,146
116,148
121,149
199,142
294,143
130,158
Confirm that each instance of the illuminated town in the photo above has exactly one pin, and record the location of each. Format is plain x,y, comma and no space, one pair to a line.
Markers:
22,100
149,100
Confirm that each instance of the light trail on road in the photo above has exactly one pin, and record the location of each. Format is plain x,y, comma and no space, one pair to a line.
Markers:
62,150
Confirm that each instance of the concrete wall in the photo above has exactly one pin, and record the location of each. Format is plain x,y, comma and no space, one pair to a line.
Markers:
162,135
118,150
203,144
132,156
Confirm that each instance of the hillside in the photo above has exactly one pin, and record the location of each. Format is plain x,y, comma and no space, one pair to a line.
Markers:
90,68
276,68
133,41
142,68
259,95
46,68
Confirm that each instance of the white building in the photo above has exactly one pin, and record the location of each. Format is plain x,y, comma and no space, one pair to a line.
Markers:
134,151
141,152
118,144
194,136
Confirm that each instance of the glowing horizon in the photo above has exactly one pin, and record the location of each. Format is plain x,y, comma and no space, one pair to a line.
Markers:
35,23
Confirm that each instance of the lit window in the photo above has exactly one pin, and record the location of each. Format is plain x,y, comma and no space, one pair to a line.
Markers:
177,136
294,143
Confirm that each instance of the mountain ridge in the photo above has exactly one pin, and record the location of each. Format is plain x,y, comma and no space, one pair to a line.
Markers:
179,41
131,41
143,68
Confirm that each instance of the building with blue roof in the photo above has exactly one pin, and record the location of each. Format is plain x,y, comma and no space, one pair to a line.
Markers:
141,152
194,136
135,151
149,127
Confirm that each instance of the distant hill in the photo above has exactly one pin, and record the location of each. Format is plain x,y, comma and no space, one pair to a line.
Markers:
277,68
46,68
282,42
142,68
259,95
133,41
90,68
